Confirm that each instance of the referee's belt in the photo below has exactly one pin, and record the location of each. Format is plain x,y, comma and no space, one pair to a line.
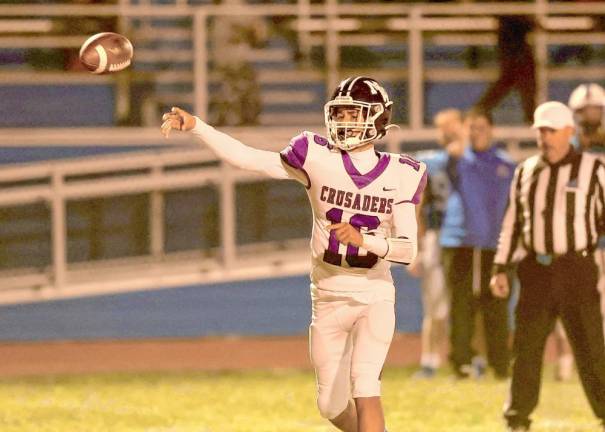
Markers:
549,259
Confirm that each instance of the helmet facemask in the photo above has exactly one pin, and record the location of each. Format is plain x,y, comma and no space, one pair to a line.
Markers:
356,129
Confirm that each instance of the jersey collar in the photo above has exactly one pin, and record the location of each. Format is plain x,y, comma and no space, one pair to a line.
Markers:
362,180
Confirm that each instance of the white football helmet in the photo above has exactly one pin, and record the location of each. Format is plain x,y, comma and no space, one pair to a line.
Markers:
374,111
587,95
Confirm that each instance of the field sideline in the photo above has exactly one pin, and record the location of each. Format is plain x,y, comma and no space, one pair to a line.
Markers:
239,385
265,401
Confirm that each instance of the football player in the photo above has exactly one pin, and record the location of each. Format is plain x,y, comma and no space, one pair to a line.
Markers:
364,218
435,297
587,102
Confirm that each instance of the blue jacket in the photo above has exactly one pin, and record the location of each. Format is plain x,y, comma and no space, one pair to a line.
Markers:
438,189
480,188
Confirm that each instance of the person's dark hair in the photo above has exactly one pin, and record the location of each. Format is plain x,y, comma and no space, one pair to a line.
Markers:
477,112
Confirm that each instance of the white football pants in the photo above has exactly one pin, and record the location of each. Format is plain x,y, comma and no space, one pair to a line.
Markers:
348,343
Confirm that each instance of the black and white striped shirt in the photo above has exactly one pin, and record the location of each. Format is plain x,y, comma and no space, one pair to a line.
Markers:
553,209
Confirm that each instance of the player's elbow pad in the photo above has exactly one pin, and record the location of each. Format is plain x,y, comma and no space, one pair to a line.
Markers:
401,250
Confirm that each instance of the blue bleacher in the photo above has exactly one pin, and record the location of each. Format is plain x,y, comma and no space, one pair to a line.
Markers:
93,105
56,105
278,306
16,155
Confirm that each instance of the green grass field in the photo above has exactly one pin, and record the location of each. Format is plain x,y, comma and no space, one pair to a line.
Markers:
280,401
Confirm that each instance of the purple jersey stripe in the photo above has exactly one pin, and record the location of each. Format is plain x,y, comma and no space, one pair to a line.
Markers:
362,180
416,198
421,186
284,160
296,153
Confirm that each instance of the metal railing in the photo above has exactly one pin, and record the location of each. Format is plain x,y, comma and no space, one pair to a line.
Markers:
331,25
155,173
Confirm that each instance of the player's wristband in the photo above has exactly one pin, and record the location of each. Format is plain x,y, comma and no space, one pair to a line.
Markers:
376,245
401,250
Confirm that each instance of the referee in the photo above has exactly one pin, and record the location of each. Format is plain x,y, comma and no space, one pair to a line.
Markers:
553,220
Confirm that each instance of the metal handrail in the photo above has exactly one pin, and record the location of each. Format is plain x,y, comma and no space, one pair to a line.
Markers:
179,149
413,19
66,181
60,178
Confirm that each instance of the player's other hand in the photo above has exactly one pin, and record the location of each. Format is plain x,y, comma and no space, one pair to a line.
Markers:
346,234
499,285
416,267
177,119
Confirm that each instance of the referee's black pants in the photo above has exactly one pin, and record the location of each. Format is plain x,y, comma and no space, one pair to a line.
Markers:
459,271
566,288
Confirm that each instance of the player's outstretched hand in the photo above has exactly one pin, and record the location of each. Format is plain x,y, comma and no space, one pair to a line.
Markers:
177,119
347,234
499,285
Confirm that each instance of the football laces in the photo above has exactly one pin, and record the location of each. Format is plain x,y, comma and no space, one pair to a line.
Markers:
118,66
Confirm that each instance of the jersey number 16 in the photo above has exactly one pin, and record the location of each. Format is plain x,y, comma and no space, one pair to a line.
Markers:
358,221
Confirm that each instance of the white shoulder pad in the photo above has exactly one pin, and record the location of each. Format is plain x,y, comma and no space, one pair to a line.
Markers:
413,179
401,250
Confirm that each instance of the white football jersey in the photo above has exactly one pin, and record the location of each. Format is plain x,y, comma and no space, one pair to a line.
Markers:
338,192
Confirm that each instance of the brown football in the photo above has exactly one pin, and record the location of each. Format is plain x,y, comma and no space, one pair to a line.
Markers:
106,52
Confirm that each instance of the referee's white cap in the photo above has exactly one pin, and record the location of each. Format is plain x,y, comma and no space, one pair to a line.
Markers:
554,115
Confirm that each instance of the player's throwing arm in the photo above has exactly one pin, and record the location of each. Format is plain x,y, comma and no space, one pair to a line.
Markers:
225,147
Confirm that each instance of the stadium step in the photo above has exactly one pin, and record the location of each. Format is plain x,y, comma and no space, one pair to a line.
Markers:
168,55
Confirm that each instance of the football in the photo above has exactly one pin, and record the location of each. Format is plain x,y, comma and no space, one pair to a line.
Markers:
106,53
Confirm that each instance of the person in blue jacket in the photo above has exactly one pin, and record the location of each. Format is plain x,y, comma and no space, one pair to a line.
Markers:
480,180
435,299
